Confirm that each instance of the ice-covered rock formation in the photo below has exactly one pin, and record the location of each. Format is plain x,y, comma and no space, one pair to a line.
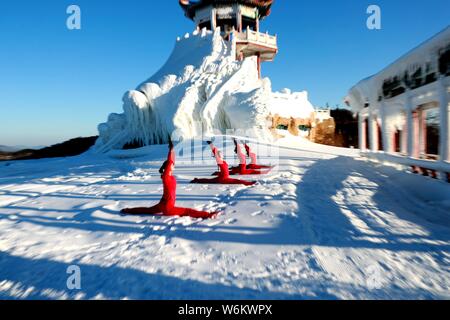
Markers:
202,89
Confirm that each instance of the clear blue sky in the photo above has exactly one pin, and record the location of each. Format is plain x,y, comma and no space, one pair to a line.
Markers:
57,84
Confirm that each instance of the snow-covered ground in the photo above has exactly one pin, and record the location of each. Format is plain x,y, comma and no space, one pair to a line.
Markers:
325,225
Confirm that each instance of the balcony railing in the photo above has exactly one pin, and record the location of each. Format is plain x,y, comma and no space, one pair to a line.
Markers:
257,37
427,167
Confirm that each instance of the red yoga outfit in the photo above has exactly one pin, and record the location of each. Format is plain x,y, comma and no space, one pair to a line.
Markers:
167,206
254,160
242,168
224,173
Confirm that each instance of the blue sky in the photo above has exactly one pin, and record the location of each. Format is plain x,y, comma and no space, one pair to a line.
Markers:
57,84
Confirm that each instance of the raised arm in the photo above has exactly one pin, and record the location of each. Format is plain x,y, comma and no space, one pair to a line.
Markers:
247,149
213,148
251,154
216,153
170,160
239,150
171,155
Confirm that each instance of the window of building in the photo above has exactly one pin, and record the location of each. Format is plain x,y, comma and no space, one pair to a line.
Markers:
397,141
431,133
367,133
226,24
249,23
205,24
379,137
444,61
304,128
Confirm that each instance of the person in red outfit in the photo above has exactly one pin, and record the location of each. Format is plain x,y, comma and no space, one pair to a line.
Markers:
253,157
242,168
224,171
166,206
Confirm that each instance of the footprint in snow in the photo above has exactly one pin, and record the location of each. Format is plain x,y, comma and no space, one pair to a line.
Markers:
231,221
185,221
257,213
113,207
159,228
170,221
213,224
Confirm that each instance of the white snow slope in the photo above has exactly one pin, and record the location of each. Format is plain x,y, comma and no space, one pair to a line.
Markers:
201,90
326,225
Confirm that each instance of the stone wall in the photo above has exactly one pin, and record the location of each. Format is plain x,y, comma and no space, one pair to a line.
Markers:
325,133
321,132
291,123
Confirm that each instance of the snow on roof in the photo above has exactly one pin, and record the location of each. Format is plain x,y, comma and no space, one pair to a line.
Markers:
368,89
190,6
286,104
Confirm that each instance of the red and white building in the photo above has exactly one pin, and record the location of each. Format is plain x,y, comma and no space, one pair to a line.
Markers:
403,110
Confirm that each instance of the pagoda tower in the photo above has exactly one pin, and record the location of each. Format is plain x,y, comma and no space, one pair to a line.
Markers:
239,21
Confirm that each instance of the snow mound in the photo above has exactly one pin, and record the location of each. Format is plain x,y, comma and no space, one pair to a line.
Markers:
287,104
201,90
